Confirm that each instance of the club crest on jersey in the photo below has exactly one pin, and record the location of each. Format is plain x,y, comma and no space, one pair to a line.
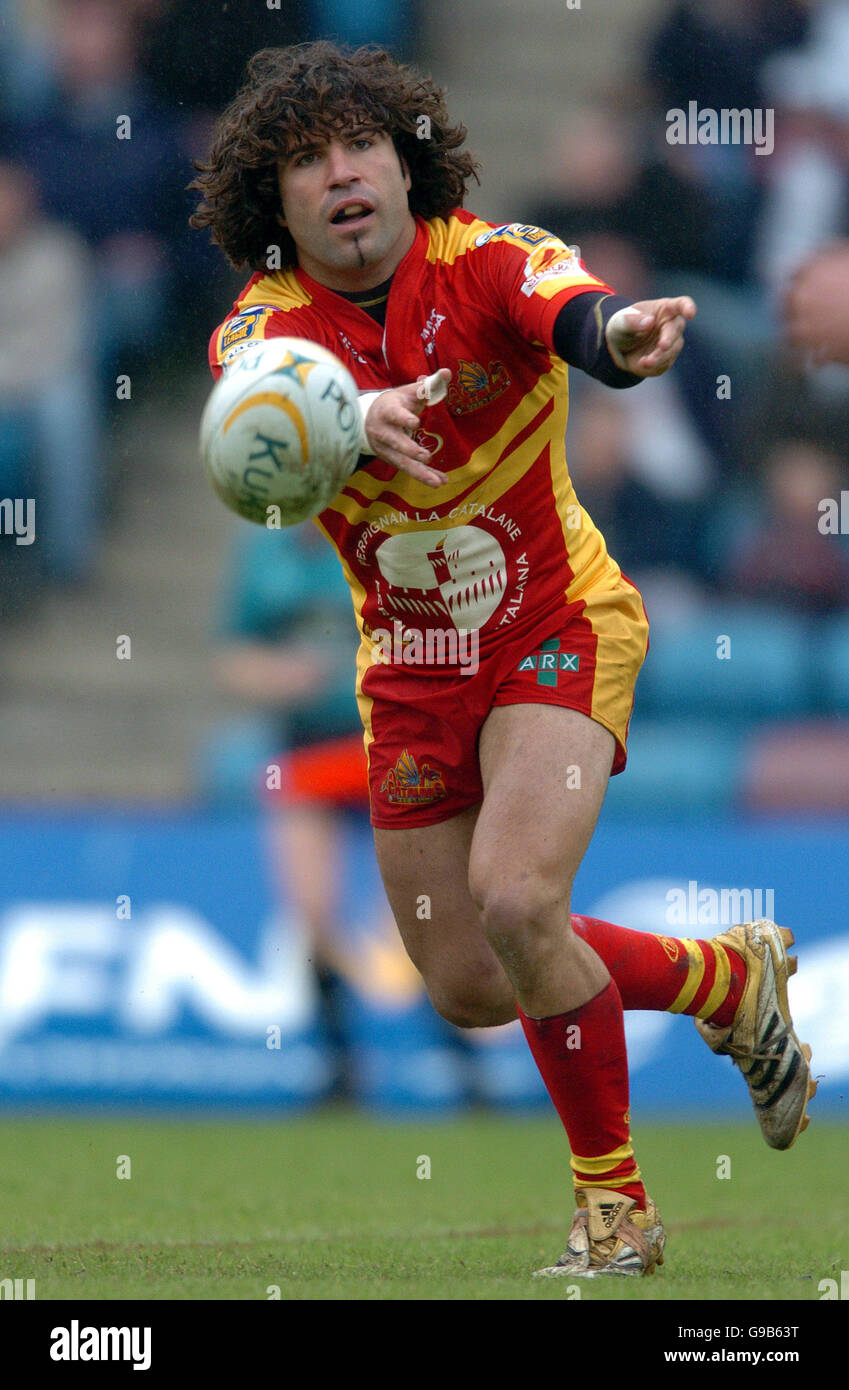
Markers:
407,785
245,325
473,386
516,231
458,575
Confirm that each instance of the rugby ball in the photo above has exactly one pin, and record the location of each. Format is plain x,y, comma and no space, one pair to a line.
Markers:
281,433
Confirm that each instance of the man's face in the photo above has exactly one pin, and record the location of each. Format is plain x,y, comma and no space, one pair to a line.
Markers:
356,168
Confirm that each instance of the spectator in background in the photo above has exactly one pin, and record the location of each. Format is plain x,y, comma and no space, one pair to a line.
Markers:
229,34
122,195
288,639
654,533
388,23
640,221
817,305
49,425
712,52
807,203
26,58
176,32
788,560
171,34
287,648
607,177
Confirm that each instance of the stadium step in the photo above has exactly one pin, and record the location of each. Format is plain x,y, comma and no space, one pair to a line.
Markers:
80,722
496,58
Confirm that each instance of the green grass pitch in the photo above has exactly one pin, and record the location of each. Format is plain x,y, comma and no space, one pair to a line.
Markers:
329,1206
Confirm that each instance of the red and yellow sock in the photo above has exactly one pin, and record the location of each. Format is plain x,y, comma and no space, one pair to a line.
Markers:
676,974
582,1060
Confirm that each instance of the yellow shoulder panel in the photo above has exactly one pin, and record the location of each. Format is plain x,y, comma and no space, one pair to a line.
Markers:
453,238
280,289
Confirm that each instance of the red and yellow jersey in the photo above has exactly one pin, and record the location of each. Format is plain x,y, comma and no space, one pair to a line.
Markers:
504,545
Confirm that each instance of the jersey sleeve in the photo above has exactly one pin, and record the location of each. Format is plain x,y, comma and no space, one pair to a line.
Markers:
531,274
246,327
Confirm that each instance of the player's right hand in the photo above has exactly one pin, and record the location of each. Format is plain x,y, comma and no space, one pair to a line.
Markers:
393,419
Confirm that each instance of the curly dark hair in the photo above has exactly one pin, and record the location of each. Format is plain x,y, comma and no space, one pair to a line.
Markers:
318,88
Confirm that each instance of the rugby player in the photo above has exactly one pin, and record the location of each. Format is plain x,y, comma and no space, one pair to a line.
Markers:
486,780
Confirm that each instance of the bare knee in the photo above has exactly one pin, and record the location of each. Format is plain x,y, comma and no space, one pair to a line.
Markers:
516,904
482,1002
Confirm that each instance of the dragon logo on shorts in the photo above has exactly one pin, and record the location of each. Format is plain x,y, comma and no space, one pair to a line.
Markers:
406,785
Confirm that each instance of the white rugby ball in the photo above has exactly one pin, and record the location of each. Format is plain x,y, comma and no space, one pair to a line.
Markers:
280,433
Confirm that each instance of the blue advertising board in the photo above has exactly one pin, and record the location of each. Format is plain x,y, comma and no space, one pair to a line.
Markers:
145,962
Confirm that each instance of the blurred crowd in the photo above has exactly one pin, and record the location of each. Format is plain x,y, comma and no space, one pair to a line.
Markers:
708,483
103,107
709,480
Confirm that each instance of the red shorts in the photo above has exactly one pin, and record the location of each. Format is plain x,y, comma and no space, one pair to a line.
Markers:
422,729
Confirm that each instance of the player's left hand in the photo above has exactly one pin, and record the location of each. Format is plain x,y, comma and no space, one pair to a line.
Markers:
646,338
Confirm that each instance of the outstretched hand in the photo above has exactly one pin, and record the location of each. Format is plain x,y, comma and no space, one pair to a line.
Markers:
393,419
646,338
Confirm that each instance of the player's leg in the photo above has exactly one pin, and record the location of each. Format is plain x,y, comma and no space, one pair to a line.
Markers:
533,829
665,973
735,987
444,938
305,840
531,835
425,873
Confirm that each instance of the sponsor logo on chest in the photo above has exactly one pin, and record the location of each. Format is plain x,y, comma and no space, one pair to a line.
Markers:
430,330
